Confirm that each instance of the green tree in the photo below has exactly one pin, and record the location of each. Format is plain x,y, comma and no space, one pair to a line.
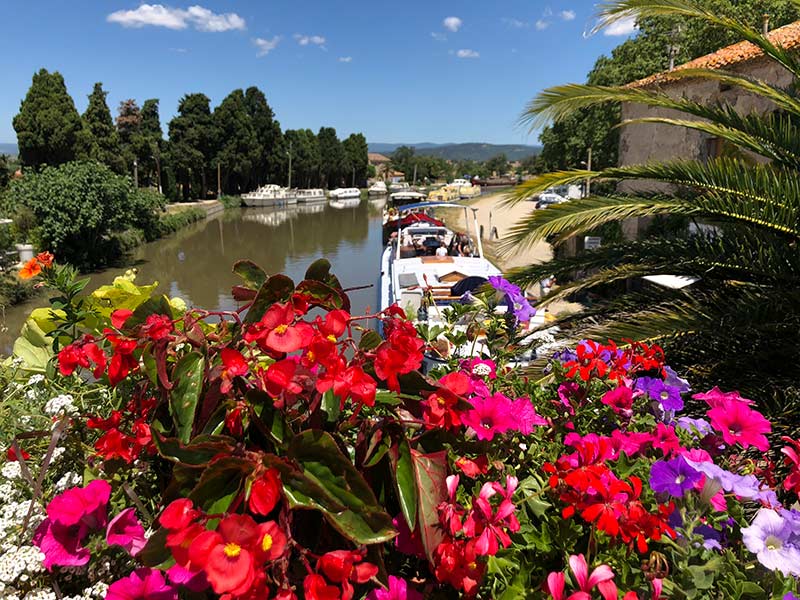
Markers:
403,159
191,135
269,165
150,145
129,122
497,164
356,154
238,150
48,125
99,139
738,321
5,175
331,155
77,207
305,157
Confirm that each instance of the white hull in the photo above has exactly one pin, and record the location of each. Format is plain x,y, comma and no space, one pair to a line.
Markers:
268,202
345,194
345,202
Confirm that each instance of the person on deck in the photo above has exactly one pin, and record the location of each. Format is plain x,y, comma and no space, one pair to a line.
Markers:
441,250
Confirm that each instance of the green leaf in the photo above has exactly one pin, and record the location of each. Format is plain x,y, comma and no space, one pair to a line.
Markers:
155,551
198,453
271,422
326,480
430,474
370,340
220,483
253,275
277,288
331,406
153,306
320,294
404,480
320,270
188,382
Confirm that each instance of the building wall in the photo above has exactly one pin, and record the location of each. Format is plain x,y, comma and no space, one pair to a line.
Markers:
645,142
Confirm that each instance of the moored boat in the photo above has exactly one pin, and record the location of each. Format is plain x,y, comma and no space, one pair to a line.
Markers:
310,195
378,189
269,195
344,193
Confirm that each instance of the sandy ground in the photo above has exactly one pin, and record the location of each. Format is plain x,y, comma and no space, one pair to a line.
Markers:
491,213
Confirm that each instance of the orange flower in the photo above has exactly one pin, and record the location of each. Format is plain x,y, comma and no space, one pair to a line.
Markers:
31,269
45,258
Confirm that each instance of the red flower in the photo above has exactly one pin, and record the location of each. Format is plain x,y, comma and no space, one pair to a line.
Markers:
440,408
473,468
355,383
316,588
589,361
345,566
334,324
265,492
80,354
457,563
400,354
280,378
11,455
234,365
157,327
792,460
115,444
178,514
45,259
277,332
270,543
119,316
122,359
227,555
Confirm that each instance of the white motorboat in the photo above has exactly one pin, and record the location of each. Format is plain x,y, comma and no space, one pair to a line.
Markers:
344,193
310,195
269,195
399,186
424,261
378,189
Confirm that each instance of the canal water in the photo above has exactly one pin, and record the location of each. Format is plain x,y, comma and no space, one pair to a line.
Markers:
195,263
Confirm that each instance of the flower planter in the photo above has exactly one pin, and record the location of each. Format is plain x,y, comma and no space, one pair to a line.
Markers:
25,252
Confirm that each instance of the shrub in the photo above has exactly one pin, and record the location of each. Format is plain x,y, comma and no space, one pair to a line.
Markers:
146,206
172,222
230,201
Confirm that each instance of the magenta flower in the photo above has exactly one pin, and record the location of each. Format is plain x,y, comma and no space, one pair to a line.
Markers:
739,423
489,416
525,416
602,578
194,581
620,400
86,506
61,545
70,517
398,590
125,530
142,584
716,397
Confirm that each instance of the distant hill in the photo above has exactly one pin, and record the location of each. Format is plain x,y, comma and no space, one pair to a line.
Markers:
470,151
9,149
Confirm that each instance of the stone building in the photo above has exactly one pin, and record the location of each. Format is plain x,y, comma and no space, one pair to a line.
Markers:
644,142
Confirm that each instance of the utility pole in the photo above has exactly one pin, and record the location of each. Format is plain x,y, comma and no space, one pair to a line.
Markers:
415,174
135,174
589,168
353,184
219,180
290,165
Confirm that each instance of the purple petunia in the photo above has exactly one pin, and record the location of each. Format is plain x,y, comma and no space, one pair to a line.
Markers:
701,426
775,541
743,486
675,381
515,299
668,396
674,477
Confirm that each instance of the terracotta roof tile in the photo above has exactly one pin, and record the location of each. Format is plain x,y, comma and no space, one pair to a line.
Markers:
787,37
376,157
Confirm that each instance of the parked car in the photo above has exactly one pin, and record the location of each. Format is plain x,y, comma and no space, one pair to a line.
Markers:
548,199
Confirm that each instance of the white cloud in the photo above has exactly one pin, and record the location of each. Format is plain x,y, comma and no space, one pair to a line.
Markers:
515,23
158,15
452,24
548,12
180,50
346,59
305,40
541,25
265,46
439,37
467,53
624,26
567,15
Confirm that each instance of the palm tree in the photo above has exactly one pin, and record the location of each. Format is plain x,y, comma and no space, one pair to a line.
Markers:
738,325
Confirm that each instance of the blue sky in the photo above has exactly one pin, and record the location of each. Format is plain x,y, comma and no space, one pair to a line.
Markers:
413,71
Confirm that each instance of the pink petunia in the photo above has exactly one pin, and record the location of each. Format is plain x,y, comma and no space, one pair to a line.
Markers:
125,530
489,416
86,506
142,584
738,423
398,590
525,416
61,545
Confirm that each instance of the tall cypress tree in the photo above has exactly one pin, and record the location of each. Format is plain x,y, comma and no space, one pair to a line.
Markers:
151,143
191,136
356,154
48,124
100,140
238,150
331,155
268,133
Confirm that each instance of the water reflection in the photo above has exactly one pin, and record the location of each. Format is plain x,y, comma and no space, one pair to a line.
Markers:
195,263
